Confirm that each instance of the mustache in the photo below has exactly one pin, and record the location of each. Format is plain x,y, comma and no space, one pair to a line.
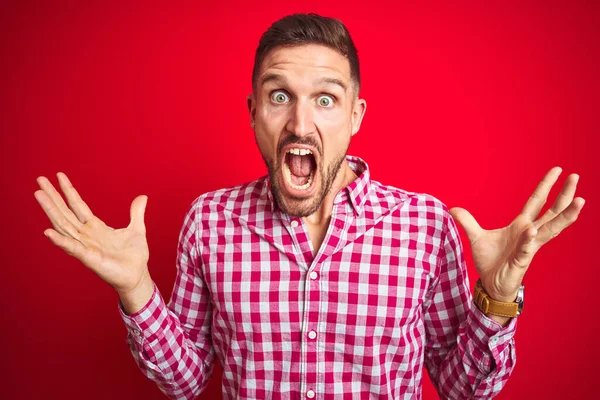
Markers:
307,141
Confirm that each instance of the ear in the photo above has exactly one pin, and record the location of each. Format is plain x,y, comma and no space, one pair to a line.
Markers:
358,112
251,108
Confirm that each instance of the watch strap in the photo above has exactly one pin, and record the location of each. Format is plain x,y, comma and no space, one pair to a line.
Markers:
488,305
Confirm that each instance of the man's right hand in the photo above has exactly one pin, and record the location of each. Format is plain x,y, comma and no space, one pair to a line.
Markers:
117,256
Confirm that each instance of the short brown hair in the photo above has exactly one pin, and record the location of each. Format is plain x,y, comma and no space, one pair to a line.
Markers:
299,29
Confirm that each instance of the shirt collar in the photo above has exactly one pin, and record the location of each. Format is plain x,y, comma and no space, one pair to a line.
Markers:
356,191
359,189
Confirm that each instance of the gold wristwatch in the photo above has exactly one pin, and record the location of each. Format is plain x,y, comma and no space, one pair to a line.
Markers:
489,305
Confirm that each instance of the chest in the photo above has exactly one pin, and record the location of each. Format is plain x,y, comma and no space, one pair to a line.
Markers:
380,274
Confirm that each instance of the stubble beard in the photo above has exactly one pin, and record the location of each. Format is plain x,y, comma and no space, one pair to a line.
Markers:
304,207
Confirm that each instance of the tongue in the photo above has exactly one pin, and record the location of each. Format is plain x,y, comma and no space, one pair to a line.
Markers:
300,165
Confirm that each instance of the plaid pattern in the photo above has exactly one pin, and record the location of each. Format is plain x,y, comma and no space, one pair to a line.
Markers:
386,295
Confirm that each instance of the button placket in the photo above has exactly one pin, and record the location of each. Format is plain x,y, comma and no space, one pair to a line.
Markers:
313,293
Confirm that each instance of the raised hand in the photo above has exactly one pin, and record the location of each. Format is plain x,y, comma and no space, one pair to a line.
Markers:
117,256
502,256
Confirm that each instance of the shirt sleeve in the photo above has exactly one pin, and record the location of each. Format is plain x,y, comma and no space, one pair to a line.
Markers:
171,344
467,354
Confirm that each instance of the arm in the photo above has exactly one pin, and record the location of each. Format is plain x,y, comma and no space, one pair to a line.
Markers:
467,354
172,344
501,257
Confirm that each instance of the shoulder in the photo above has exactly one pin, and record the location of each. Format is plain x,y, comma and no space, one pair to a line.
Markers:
412,204
240,200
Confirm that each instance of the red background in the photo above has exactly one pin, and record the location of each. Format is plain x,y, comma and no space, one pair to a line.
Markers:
471,102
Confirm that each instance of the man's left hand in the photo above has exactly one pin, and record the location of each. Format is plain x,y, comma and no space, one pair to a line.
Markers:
502,256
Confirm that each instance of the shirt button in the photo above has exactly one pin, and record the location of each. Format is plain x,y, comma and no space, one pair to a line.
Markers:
314,275
312,334
310,394
294,224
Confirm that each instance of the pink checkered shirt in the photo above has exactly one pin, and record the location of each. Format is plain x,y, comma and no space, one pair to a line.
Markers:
387,294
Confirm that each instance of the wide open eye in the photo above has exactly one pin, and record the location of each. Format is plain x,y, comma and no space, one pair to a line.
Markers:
279,97
325,101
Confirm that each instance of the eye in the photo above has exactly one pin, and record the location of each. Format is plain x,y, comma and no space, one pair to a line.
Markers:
325,101
279,97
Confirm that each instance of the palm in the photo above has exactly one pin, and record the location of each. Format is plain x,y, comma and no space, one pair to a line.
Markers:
118,256
502,256
497,250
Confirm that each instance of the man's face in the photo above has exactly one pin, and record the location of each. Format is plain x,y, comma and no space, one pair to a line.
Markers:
304,112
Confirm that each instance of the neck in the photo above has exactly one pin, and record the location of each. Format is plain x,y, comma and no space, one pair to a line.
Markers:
344,177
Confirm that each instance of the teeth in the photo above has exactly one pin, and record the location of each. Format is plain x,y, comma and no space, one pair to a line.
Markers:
299,152
288,177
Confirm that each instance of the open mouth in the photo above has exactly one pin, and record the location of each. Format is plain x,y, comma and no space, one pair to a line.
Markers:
299,168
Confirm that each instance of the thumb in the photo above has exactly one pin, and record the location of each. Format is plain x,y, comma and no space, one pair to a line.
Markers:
138,208
468,223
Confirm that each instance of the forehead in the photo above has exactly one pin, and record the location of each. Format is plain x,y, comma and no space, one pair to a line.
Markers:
305,62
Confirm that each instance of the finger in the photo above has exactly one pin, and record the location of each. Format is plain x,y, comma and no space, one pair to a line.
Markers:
138,208
526,248
554,227
565,197
538,198
57,218
71,246
81,210
468,222
57,199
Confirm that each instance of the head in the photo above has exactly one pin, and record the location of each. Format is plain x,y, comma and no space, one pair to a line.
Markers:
304,107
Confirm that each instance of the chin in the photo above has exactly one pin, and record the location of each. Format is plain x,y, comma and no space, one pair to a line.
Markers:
296,207
299,179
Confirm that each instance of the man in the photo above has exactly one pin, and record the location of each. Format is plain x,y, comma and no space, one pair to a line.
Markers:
316,281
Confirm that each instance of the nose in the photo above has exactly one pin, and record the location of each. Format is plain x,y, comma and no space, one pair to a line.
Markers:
301,121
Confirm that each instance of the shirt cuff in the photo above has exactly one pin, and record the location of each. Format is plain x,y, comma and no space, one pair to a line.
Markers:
143,325
488,339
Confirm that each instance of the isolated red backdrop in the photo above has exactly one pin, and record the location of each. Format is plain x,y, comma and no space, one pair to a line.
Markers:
471,102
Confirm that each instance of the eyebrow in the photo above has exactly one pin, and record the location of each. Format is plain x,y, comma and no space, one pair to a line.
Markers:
334,81
272,77
278,78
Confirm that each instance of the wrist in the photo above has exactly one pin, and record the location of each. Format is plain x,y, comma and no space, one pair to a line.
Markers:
497,307
135,299
497,295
